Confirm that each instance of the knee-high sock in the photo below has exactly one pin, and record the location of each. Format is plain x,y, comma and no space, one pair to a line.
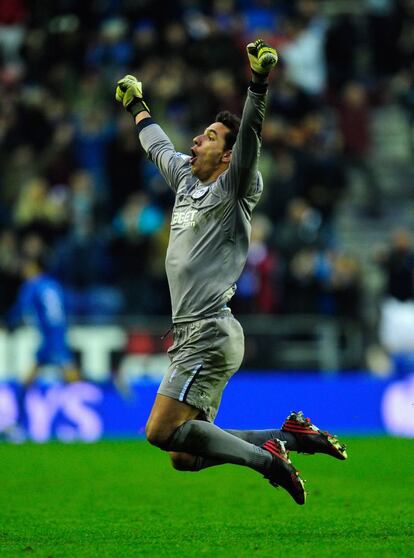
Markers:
208,441
259,437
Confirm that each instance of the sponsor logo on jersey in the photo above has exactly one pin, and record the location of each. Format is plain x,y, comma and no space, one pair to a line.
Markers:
184,217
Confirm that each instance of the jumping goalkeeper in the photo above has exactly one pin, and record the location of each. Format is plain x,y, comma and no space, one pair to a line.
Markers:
216,189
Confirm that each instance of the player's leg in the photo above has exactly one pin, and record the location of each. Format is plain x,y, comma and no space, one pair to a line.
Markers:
299,434
62,356
173,426
43,357
166,416
199,438
223,355
259,437
296,434
204,356
22,393
182,412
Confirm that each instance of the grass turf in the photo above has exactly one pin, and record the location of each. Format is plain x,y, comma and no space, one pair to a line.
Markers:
121,499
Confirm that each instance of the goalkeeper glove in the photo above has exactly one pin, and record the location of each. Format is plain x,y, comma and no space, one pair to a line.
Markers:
129,93
262,58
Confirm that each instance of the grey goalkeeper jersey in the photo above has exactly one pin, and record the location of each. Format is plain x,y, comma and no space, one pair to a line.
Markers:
210,226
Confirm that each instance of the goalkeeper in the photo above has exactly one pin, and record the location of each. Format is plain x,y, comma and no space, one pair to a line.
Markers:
216,189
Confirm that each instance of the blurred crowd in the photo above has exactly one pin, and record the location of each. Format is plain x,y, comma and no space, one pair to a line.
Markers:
75,183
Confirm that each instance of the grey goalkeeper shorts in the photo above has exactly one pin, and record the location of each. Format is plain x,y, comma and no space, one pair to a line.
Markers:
205,355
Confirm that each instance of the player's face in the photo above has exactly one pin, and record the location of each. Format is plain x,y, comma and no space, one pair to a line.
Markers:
208,154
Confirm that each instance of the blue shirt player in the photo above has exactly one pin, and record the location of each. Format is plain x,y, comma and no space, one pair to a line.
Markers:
41,304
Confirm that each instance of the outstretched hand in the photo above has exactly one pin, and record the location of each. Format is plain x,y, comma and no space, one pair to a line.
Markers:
129,93
262,57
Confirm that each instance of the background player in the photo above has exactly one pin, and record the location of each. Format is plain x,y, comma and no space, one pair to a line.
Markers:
41,304
216,190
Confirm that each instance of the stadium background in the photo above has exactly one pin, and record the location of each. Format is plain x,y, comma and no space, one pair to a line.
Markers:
327,295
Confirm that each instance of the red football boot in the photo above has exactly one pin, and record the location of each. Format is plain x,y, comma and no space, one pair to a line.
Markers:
283,473
312,440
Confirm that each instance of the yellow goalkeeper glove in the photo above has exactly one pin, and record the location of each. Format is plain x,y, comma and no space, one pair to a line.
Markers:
129,93
262,58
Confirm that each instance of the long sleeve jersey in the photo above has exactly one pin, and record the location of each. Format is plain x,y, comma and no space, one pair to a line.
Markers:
41,303
211,221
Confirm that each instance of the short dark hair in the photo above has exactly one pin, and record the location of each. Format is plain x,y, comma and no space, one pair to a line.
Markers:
232,122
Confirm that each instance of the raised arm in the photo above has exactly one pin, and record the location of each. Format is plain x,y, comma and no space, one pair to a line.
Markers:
172,165
242,173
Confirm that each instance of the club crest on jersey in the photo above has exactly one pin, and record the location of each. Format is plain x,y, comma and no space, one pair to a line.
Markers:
199,193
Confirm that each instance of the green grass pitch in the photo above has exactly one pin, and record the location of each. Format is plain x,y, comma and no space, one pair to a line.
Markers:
121,499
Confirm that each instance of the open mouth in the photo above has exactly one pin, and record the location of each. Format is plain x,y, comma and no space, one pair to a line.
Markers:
193,157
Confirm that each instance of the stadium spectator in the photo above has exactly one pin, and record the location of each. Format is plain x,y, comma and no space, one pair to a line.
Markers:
113,50
92,136
398,265
354,122
123,165
303,53
134,228
403,89
41,209
81,259
303,227
343,42
259,289
322,174
383,29
82,202
13,16
397,307
9,269
405,40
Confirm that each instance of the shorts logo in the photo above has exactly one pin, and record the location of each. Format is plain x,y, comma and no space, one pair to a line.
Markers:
184,217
